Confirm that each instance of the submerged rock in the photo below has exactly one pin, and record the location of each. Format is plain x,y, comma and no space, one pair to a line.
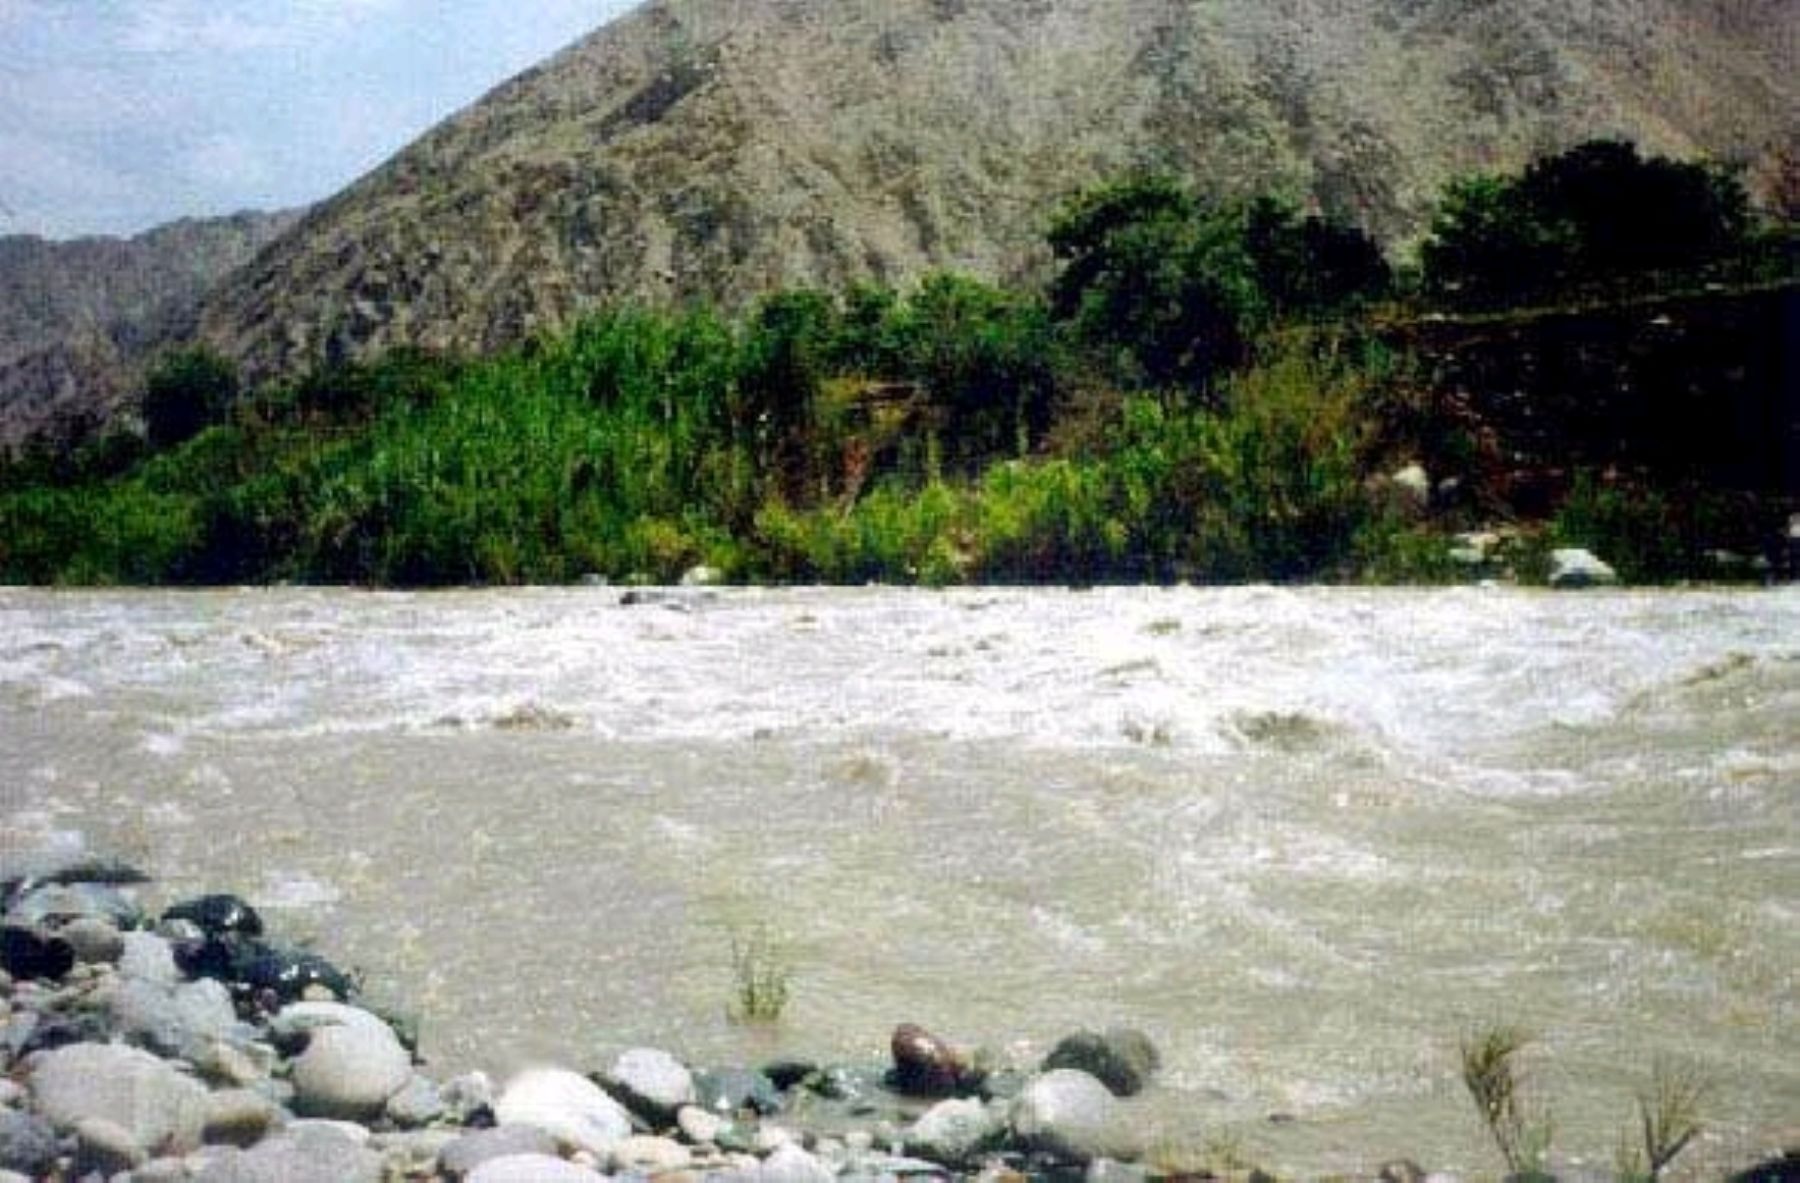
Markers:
1122,1059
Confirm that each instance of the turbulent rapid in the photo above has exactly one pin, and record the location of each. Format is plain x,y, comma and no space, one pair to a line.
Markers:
1306,839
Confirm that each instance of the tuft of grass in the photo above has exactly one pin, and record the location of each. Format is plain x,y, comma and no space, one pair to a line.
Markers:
1668,1120
1490,1073
760,977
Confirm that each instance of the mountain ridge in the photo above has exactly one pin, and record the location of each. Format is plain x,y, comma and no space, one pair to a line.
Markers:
714,150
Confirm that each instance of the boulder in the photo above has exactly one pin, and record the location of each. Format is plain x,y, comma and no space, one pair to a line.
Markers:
924,1065
163,1110
57,904
106,1148
1123,1059
349,1072
792,1164
28,1143
418,1103
643,1154
171,1020
569,1107
531,1168
146,956
239,1117
307,1153
93,941
462,1156
652,1083
952,1132
1071,1116
1572,567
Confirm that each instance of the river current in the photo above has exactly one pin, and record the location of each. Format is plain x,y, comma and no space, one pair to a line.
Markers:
1306,839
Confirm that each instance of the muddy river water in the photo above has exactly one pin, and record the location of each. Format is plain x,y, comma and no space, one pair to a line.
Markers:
1306,839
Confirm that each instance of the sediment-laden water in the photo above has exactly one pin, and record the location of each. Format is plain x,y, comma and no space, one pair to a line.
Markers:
1304,838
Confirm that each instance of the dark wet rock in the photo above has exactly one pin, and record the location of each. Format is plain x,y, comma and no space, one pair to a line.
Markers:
566,1105
651,1083
97,869
217,915
789,1074
926,1066
162,1109
953,1132
670,598
349,1072
28,1143
469,1151
1071,1117
1783,1169
1122,1059
56,904
289,974
27,953
737,1090
308,1153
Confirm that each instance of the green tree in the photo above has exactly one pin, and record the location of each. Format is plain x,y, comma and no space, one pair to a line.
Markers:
186,392
1157,278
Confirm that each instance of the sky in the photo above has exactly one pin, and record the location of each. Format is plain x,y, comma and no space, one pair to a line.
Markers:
118,115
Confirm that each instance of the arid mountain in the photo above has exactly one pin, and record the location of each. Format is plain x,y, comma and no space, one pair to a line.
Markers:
720,147
75,316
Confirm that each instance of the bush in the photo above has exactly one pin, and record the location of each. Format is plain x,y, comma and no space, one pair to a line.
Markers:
186,392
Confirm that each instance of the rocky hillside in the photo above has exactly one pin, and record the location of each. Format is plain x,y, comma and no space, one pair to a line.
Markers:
715,148
74,316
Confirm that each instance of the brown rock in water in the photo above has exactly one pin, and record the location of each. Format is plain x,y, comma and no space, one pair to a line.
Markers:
925,1065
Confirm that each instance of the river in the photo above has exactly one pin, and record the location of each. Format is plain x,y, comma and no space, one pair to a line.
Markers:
1306,839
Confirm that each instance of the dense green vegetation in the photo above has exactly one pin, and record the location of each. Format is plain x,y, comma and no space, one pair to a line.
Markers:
1206,391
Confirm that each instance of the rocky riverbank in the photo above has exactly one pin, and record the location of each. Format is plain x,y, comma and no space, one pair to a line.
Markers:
195,1045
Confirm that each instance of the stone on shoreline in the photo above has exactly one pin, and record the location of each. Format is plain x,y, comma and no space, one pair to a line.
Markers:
531,1168
1071,1116
309,1152
162,1109
349,1072
472,1149
568,1106
952,1132
651,1083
